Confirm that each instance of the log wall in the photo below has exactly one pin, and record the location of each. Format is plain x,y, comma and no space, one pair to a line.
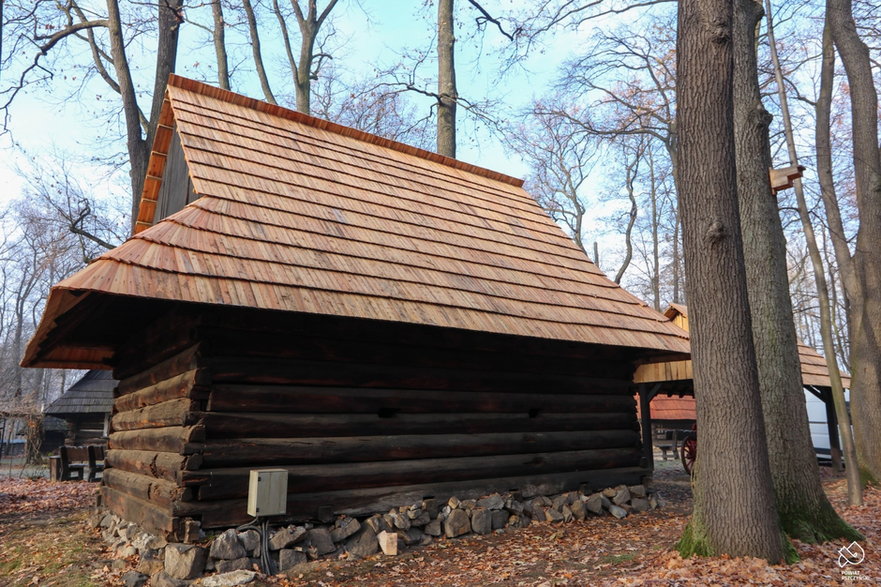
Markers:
364,416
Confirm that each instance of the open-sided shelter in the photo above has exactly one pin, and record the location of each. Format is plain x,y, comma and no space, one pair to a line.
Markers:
385,323
668,390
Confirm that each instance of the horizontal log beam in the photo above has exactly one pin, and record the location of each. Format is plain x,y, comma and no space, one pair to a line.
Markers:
297,451
235,369
242,425
378,345
305,507
156,491
335,400
174,439
183,361
233,482
174,387
173,412
148,516
162,465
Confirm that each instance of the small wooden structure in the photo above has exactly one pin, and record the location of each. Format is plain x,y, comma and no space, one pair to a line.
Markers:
86,407
385,323
666,390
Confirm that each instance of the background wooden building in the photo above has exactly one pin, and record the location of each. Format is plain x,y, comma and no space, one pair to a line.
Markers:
385,323
86,406
669,388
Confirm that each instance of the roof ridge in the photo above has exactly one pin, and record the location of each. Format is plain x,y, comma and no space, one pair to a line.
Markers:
321,124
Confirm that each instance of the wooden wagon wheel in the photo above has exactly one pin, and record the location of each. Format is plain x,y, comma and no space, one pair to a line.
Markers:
688,452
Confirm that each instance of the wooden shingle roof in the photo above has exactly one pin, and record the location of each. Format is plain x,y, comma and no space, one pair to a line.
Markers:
299,214
813,366
91,394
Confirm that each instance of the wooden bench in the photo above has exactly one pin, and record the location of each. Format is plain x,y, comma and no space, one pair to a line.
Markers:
80,462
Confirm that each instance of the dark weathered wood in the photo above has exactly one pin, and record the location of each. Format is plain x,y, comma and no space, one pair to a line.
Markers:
304,507
268,398
184,360
265,425
148,516
348,345
174,387
174,439
162,465
294,451
232,369
233,482
157,341
157,491
170,413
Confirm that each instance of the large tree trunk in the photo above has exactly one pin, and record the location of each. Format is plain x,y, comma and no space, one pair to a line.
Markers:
864,295
446,80
805,513
734,510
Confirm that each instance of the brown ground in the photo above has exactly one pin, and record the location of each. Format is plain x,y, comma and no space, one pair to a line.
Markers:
44,540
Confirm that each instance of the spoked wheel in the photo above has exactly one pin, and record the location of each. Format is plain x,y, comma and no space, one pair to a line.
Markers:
688,452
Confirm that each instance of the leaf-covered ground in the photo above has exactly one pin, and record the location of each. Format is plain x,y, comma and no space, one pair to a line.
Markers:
44,540
602,551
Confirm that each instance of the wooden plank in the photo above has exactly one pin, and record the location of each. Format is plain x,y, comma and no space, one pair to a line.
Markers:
182,361
270,398
174,439
232,369
243,425
152,489
173,412
178,386
303,507
295,451
162,465
233,482
148,516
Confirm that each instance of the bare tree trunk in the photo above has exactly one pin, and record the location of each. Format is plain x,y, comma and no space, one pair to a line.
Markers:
804,511
631,168
219,38
446,80
826,318
734,510
656,245
137,147
255,49
864,296
309,24
677,257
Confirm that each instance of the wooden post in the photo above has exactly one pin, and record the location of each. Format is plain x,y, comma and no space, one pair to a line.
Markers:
646,425
832,424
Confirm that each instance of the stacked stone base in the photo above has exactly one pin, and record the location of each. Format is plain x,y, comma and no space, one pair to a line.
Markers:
234,555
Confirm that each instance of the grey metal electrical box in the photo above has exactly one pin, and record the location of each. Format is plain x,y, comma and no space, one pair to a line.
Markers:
267,492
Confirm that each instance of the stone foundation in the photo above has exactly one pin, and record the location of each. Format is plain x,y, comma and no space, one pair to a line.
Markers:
233,557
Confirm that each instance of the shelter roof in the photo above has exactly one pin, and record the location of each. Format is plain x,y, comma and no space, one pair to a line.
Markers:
298,214
813,366
92,393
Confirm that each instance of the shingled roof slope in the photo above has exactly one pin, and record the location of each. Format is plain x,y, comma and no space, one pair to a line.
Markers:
91,394
298,214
